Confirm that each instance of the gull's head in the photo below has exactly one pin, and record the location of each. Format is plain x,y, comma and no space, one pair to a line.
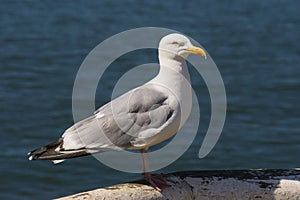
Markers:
177,45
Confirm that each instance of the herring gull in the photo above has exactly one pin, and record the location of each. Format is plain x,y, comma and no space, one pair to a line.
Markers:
142,117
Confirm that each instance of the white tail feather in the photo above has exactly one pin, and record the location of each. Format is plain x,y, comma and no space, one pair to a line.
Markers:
57,161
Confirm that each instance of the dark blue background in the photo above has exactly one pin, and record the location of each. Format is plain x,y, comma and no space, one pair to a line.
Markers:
254,43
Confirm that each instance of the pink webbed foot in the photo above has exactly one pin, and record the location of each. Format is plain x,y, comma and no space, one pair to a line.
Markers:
157,181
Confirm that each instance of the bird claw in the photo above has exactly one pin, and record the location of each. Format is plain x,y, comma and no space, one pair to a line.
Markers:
157,181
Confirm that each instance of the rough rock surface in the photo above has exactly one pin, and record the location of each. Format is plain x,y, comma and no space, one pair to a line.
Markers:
225,184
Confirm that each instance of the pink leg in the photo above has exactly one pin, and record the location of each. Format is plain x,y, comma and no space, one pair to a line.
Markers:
157,181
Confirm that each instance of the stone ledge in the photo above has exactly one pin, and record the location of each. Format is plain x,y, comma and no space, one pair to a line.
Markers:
220,184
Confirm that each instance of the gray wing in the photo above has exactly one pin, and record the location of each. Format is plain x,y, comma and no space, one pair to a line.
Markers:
130,118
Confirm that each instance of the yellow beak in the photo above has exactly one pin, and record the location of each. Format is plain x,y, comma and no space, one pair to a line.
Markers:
197,51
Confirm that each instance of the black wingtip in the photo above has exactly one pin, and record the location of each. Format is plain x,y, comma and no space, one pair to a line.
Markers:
37,153
54,151
32,157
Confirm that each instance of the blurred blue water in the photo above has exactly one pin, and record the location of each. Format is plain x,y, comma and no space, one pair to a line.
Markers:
254,44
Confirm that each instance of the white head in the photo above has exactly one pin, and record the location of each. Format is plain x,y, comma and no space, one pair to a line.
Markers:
178,46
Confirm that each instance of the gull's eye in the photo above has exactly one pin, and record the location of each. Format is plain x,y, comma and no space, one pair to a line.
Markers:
179,44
